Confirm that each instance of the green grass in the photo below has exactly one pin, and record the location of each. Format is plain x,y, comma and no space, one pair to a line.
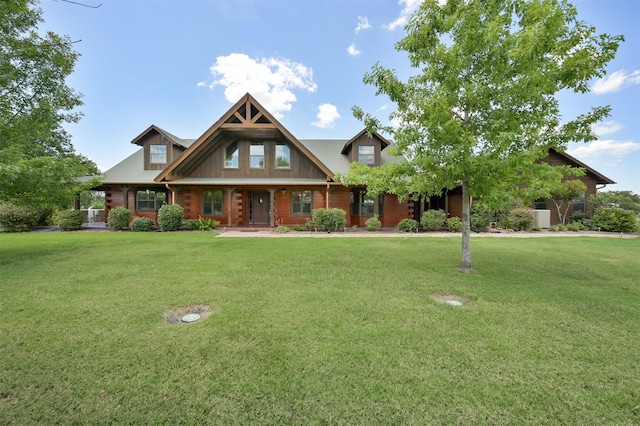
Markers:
318,331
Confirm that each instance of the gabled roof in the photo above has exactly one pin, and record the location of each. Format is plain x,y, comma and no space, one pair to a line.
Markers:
327,150
375,135
246,116
130,171
600,178
184,143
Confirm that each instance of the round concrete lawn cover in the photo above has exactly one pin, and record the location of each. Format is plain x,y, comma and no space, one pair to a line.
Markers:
191,318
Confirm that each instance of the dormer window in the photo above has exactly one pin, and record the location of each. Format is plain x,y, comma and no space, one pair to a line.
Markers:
366,154
158,154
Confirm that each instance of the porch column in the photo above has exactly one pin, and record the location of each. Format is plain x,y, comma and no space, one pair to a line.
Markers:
125,194
172,194
229,190
446,203
272,201
326,196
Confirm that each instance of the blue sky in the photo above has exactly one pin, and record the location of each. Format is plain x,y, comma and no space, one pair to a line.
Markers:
181,64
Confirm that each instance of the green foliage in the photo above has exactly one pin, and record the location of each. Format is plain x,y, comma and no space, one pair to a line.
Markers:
481,217
329,219
453,224
407,225
480,112
309,225
564,193
299,228
207,224
373,223
520,219
626,200
38,165
433,220
92,199
68,220
119,218
616,219
170,217
282,229
575,227
189,224
15,218
142,224
558,228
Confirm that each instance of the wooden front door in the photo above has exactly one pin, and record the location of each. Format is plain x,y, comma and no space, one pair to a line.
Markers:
258,208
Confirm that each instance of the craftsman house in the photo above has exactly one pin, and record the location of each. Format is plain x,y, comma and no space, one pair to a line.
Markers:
248,170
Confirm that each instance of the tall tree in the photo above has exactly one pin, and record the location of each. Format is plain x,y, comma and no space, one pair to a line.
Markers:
483,111
38,165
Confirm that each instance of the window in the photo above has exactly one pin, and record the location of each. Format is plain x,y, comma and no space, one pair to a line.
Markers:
212,203
301,203
231,156
540,205
283,156
367,154
578,205
158,154
150,200
256,156
363,204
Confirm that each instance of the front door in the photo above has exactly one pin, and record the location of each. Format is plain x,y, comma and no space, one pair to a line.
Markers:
258,208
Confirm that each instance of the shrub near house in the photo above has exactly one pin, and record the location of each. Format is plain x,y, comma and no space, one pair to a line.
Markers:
68,220
118,218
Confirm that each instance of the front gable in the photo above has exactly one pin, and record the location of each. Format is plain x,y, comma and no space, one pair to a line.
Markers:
246,143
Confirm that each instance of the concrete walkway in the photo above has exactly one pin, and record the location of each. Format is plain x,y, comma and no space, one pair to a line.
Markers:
234,233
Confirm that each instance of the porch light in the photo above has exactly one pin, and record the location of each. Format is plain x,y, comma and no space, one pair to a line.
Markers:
284,192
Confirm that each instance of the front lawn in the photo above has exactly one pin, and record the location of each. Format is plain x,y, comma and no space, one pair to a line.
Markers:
318,331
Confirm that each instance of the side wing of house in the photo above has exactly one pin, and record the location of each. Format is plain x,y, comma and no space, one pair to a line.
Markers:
592,179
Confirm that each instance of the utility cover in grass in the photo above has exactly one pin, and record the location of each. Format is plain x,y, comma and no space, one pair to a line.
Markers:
191,318
185,315
450,299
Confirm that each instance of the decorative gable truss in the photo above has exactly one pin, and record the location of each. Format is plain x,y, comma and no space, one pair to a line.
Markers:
246,123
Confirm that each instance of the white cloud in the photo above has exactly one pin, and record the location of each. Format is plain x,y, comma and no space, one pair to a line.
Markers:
327,115
615,81
270,80
607,147
353,50
606,127
363,24
409,7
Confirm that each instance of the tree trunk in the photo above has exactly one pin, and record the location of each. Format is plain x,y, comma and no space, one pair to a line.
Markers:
465,264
